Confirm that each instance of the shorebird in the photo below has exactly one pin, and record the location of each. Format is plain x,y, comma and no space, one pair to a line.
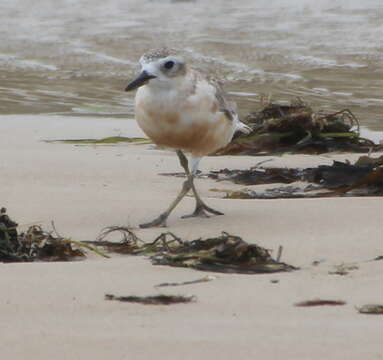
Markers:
178,107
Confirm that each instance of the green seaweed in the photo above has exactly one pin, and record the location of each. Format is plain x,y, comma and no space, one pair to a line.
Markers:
339,135
103,141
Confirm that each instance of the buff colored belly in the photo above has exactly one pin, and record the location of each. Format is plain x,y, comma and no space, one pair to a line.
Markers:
200,137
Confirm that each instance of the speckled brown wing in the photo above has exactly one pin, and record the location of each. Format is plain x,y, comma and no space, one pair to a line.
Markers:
224,105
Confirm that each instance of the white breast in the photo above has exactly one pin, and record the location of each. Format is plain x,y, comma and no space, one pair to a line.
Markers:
183,118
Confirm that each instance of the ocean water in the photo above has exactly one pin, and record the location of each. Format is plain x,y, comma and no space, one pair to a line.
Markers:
76,57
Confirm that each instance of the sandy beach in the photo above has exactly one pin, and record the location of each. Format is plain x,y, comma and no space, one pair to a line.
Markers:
63,68
58,311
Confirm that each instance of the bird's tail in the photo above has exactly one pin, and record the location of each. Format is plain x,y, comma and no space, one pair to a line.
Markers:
243,128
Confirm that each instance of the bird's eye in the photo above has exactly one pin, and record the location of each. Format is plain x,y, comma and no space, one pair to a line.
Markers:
169,64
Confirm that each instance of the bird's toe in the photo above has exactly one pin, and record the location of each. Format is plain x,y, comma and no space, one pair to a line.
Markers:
158,222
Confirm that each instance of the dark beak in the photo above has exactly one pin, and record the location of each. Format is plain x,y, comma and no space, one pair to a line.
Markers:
140,80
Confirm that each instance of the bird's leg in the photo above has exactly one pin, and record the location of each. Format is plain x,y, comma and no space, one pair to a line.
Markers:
201,209
186,186
161,220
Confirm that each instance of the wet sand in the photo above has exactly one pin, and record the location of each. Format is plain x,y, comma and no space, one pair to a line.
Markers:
79,58
57,310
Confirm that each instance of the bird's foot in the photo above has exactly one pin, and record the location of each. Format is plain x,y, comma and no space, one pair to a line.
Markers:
158,222
202,210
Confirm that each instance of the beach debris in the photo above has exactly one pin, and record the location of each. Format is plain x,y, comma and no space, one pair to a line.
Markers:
103,141
298,128
128,244
225,253
153,300
257,175
363,178
319,302
343,269
368,183
281,192
131,244
318,262
36,244
8,236
46,246
197,281
372,309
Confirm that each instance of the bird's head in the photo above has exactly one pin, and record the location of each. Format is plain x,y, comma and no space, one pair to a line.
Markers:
162,67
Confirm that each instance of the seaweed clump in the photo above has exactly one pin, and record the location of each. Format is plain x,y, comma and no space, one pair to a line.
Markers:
36,244
363,178
298,128
153,300
374,309
225,253
9,242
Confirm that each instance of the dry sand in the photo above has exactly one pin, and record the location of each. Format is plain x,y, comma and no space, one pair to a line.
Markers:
58,311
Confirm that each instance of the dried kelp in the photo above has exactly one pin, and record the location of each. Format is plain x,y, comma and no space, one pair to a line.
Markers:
131,244
372,309
343,269
258,175
45,246
225,253
8,237
363,178
298,128
190,282
36,244
320,302
128,244
329,176
153,300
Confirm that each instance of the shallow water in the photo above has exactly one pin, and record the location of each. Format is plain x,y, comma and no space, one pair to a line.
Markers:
76,57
